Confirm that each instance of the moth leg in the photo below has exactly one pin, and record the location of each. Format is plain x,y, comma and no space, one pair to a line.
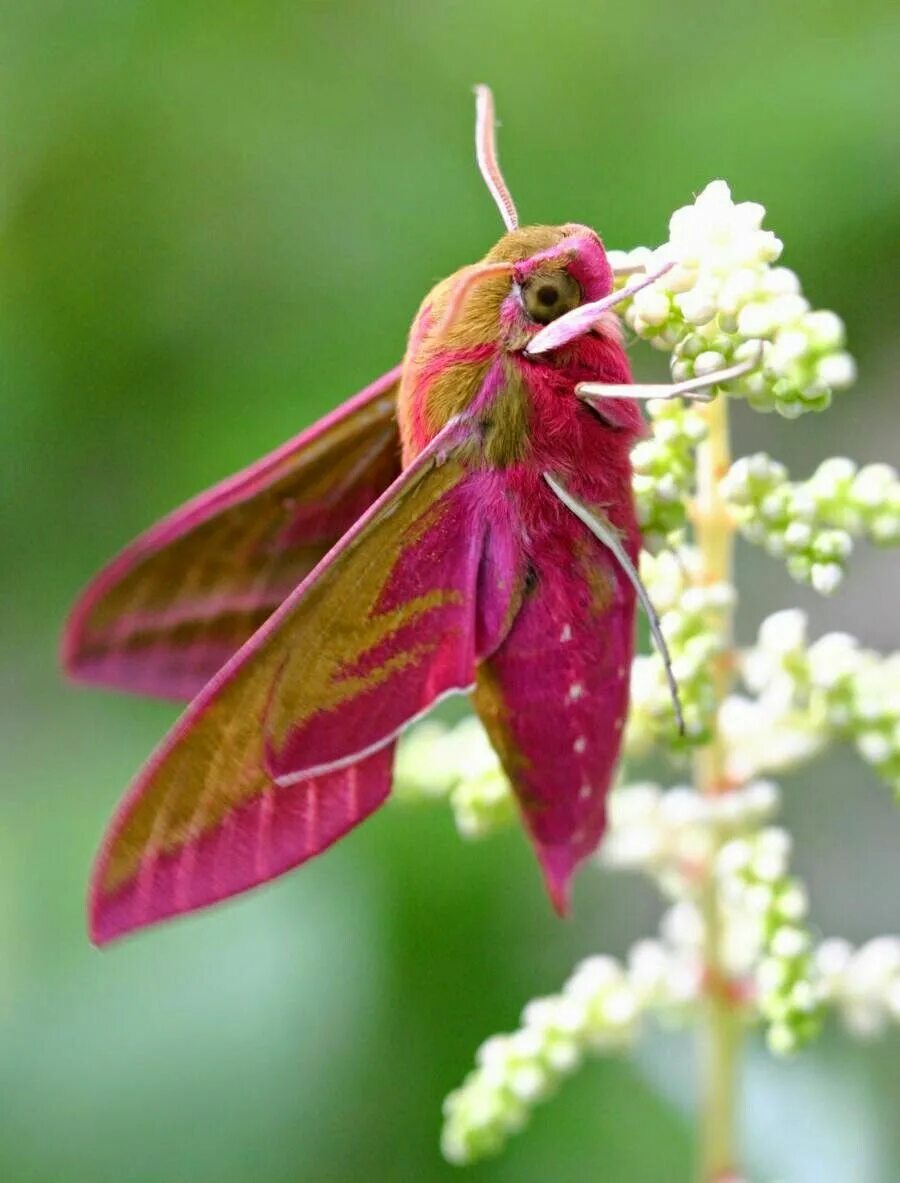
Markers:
698,389
610,539
628,269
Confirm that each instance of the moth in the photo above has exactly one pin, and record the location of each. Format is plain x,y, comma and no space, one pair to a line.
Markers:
464,525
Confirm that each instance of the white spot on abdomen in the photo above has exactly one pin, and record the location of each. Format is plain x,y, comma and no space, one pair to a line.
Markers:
576,691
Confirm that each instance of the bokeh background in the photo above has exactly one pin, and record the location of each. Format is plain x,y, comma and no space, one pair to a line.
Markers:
216,220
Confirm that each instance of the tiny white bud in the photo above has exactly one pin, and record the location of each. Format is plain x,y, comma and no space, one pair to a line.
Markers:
652,305
528,1083
793,903
781,281
734,857
833,544
697,306
874,747
789,346
835,471
526,1043
837,370
762,797
593,975
771,975
798,535
833,956
781,1039
755,320
759,898
563,1055
619,1008
825,577
826,329
873,483
784,631
788,308
789,942
775,840
708,362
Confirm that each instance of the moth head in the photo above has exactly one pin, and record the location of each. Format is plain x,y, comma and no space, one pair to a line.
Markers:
550,270
553,270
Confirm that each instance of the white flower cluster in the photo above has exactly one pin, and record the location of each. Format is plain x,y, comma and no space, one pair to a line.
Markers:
598,1011
754,880
674,835
808,694
690,612
765,735
766,966
811,524
663,465
458,764
863,984
678,837
723,297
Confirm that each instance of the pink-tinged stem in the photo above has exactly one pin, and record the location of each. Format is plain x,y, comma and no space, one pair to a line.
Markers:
721,1033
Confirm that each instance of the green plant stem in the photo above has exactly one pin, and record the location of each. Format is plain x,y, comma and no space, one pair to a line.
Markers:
720,1036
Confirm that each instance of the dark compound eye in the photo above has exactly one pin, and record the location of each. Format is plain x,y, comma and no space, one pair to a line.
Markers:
548,296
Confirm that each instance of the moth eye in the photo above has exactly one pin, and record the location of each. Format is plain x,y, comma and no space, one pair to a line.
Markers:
548,296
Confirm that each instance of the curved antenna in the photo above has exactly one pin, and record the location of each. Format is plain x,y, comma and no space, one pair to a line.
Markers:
486,155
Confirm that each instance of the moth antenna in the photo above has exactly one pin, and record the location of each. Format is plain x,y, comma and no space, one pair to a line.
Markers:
611,540
470,278
486,155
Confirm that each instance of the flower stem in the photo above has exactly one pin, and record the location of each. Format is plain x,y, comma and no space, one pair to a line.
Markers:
720,1036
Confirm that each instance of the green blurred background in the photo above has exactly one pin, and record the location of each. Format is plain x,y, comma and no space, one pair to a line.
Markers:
216,220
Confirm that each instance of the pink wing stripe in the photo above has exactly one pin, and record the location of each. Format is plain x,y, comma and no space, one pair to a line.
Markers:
456,556
469,566
168,670
259,841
